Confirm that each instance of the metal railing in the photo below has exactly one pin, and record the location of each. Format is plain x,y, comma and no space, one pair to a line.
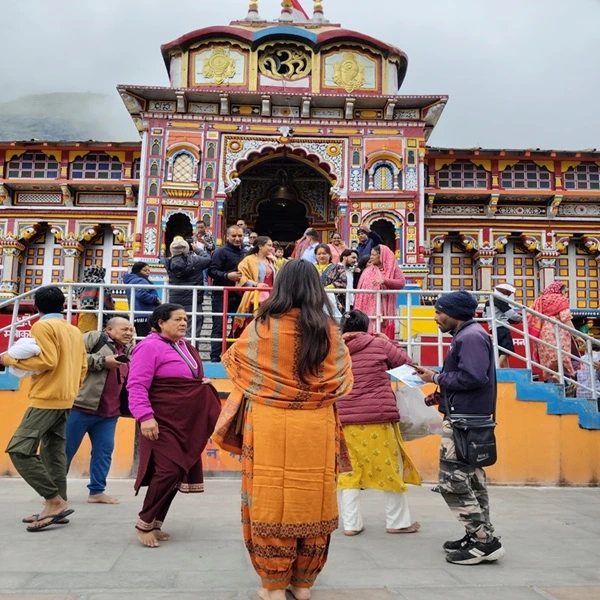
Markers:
423,341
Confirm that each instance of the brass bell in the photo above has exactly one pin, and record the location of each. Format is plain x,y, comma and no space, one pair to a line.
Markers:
283,193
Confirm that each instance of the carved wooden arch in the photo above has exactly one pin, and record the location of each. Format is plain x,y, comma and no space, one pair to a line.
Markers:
384,215
179,147
276,151
383,156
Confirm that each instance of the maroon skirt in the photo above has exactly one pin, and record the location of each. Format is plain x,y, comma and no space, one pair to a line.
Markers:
186,411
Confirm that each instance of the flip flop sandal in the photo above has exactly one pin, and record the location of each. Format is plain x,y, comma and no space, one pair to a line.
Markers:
413,528
53,519
35,518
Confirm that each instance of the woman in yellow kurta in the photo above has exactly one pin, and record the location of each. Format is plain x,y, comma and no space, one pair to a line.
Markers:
287,370
370,419
258,270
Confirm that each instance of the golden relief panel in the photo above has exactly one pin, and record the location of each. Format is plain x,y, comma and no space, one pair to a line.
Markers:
219,65
351,71
285,62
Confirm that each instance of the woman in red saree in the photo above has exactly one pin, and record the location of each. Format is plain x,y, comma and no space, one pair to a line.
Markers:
176,408
382,274
287,369
553,302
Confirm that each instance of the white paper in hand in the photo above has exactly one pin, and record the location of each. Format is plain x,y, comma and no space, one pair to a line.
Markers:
406,374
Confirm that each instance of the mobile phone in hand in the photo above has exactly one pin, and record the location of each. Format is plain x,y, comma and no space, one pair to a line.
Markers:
123,358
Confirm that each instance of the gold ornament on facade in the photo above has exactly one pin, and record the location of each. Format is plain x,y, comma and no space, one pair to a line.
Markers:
234,146
219,66
285,63
349,73
333,150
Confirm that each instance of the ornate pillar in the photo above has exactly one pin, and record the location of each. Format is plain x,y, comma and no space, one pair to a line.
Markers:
12,257
397,232
546,260
485,263
72,251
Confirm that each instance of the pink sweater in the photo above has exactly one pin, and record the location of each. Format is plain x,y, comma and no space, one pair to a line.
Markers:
154,357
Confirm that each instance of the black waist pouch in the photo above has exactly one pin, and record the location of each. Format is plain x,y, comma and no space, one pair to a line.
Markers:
475,440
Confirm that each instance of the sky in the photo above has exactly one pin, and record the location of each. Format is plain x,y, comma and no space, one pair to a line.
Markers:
519,73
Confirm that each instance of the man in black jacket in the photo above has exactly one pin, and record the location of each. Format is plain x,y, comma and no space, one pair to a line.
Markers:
468,387
223,271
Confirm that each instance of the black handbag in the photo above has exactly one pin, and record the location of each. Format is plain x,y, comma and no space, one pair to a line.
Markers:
474,440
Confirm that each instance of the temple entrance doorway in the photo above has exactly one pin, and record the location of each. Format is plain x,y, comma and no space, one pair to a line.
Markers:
387,231
179,224
281,197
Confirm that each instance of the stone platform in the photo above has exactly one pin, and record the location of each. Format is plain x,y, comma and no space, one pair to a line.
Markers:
551,535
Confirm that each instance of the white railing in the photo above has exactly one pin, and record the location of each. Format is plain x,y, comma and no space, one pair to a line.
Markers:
414,330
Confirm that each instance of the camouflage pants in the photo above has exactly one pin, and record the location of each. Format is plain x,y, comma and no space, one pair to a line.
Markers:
463,488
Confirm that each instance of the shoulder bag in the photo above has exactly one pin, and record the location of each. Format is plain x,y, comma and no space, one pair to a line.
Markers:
474,436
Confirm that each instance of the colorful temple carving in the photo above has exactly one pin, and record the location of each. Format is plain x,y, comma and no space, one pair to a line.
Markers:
288,124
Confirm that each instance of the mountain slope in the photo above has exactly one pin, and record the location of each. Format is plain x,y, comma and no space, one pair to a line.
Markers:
66,116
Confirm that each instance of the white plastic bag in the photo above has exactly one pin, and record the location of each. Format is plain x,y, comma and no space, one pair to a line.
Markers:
417,420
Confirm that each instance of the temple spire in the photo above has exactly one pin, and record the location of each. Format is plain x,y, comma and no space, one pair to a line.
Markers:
286,11
318,15
253,12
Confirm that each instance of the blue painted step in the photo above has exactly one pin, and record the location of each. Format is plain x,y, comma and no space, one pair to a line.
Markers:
553,396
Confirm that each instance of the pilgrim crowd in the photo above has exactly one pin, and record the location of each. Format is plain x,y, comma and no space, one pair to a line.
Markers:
309,374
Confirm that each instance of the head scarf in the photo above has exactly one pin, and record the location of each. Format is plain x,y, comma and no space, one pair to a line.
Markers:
551,302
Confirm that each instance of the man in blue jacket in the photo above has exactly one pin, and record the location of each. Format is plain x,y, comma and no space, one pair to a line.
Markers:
367,240
146,299
468,387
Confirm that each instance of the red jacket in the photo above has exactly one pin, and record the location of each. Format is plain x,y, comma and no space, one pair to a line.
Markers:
372,399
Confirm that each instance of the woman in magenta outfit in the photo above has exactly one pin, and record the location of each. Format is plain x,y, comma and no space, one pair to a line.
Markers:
176,409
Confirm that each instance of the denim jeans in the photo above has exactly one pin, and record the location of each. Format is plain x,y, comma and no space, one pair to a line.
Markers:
102,436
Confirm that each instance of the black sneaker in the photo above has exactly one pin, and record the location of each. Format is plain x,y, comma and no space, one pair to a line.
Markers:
477,552
457,544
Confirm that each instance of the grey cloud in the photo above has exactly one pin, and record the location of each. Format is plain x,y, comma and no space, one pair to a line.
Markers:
519,73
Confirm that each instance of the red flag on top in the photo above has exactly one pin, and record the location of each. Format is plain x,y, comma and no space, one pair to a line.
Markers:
298,13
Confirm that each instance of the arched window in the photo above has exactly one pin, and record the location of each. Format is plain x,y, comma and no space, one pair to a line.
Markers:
135,168
583,177
463,174
154,169
152,218
356,158
211,150
153,189
208,192
155,151
183,168
97,165
206,219
33,164
383,178
526,176
210,172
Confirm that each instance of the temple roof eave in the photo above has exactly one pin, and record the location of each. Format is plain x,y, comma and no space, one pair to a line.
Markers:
242,96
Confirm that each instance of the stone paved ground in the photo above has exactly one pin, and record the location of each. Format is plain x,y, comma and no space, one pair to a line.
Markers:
552,538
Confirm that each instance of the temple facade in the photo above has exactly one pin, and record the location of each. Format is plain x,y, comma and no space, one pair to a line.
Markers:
290,124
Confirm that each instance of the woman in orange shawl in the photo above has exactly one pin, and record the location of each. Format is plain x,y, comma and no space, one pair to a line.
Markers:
553,302
287,370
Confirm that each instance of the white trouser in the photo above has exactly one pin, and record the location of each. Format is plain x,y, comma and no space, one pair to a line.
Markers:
397,514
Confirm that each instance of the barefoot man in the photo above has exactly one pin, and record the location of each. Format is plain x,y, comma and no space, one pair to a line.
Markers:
97,406
59,371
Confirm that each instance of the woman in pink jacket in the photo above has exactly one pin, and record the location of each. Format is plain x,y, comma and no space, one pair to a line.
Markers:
370,417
